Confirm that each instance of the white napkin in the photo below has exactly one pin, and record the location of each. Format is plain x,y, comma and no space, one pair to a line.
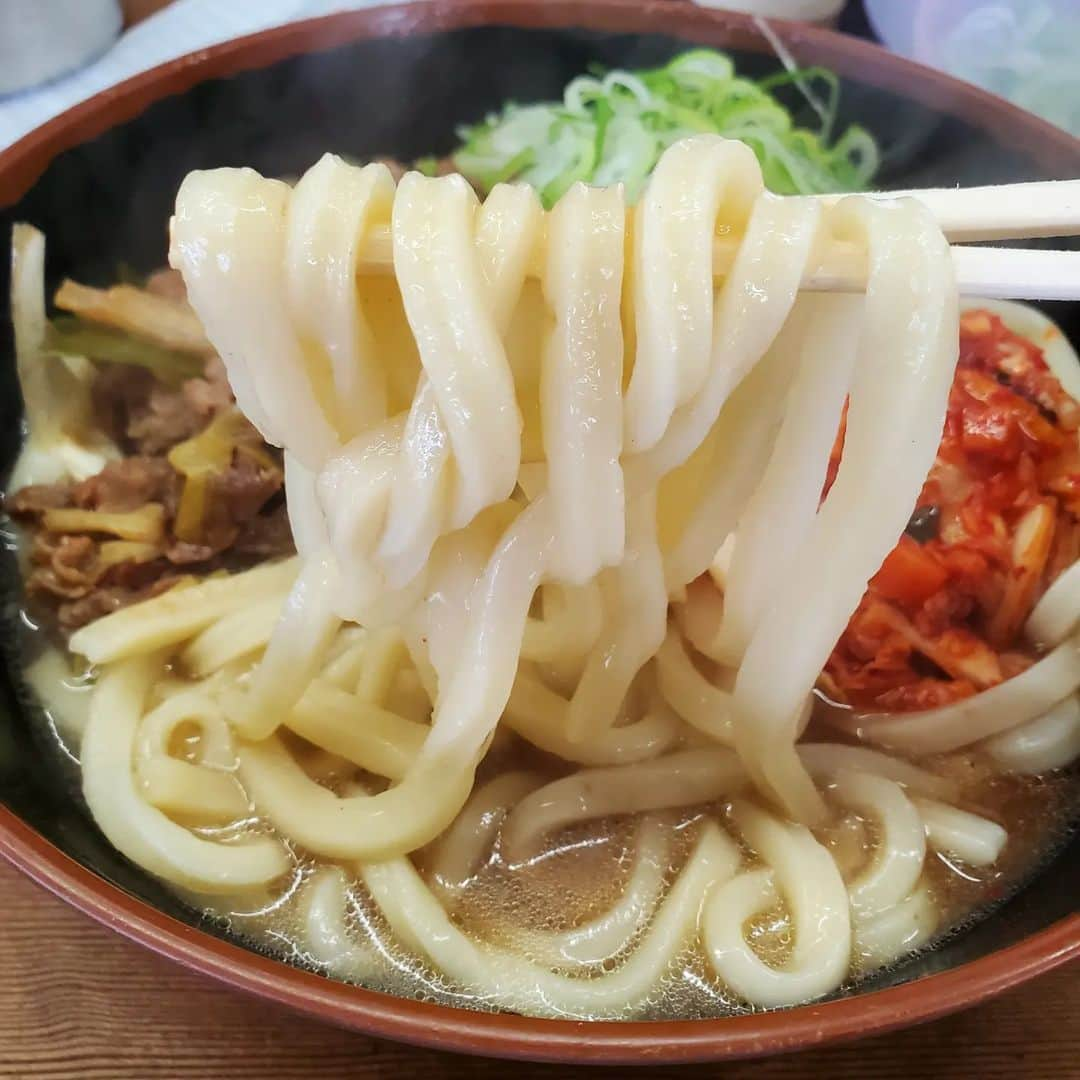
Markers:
183,27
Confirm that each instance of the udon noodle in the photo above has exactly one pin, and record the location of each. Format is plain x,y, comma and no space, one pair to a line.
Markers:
507,463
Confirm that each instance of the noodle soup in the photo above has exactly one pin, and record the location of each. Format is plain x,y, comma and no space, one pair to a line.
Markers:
663,637
583,901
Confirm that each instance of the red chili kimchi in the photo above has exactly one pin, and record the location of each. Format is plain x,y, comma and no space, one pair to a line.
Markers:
997,520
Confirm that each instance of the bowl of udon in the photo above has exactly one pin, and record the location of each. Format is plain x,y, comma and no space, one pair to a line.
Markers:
508,549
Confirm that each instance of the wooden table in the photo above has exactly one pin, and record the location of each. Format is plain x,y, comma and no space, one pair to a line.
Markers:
78,1001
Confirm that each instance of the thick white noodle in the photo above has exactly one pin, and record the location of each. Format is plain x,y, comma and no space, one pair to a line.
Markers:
635,618
756,300
383,656
461,851
701,183
900,930
203,791
475,694
679,779
702,705
826,759
1024,697
1056,614
976,840
896,411
331,209
804,877
603,937
446,302
701,612
345,658
232,637
571,622
502,978
538,714
353,492
306,521
821,337
370,736
306,626
229,242
732,461
428,493
323,905
402,818
1050,742
435,628
900,851
140,831
176,615
707,708
581,381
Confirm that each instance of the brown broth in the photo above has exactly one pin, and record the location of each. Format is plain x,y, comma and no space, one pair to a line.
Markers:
583,870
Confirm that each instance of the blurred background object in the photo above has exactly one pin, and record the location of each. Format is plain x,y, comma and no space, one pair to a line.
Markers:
56,53
137,10
805,10
42,39
171,30
1024,50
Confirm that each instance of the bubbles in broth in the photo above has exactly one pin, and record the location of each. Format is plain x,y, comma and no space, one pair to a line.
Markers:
607,678
581,873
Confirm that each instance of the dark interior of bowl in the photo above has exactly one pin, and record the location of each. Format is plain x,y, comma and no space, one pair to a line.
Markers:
104,206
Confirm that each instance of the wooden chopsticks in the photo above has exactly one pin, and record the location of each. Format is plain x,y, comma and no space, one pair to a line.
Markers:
1000,211
1046,208
1004,212
990,272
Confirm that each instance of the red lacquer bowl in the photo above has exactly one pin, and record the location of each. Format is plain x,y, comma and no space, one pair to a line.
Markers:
100,180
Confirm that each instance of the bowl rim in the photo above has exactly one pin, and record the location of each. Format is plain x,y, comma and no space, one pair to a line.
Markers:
26,159
500,1034
505,1035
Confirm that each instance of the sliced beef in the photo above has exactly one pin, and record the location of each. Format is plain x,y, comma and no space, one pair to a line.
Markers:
168,283
244,522
162,420
64,566
143,415
118,392
235,497
37,498
210,394
244,489
105,601
265,536
127,484
169,416
397,168
75,613
123,485
444,166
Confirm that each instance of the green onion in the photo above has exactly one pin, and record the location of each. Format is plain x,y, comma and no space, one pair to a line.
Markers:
71,336
612,127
